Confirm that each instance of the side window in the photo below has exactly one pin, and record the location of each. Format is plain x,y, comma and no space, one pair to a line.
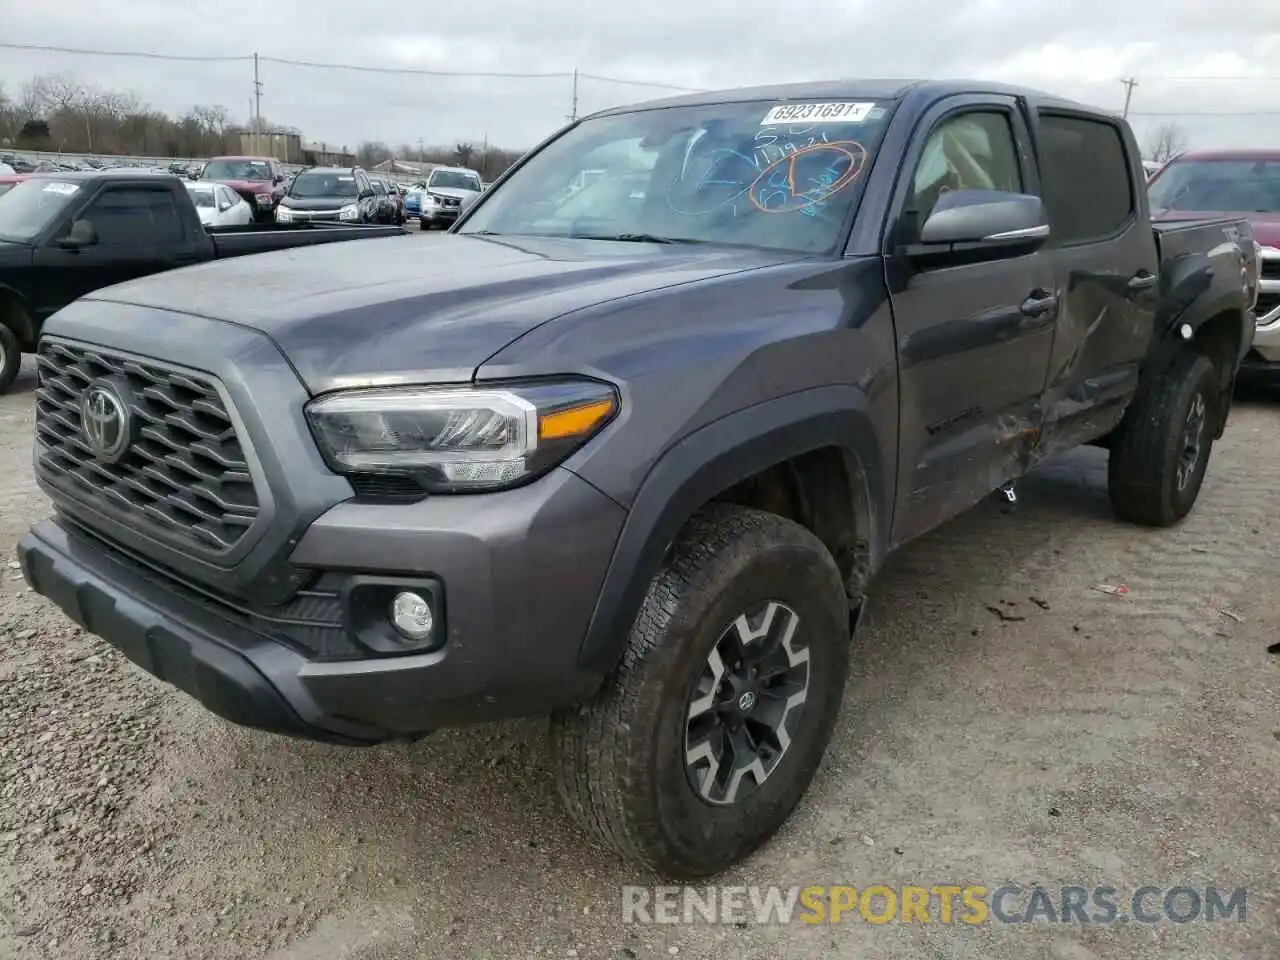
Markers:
135,216
966,151
1088,187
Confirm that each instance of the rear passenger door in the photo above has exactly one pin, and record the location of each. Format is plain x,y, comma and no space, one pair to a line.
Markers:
1106,261
974,337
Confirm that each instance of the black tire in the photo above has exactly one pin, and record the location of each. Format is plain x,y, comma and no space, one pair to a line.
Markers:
1161,449
10,357
423,226
620,760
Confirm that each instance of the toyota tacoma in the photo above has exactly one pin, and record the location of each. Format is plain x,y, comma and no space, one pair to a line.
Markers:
632,466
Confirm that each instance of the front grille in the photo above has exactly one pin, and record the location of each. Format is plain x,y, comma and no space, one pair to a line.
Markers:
185,478
1270,269
1266,303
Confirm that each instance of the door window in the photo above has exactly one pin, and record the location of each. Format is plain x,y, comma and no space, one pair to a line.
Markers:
1088,185
967,151
135,216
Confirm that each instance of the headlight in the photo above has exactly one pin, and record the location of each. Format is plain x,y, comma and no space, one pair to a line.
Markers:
350,212
264,199
459,439
284,215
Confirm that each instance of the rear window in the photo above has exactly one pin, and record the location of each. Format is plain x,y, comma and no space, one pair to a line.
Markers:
1088,186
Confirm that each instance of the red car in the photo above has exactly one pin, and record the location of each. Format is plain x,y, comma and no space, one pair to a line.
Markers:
260,180
1239,184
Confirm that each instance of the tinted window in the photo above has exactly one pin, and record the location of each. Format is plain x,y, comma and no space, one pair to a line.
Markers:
132,215
1088,187
968,151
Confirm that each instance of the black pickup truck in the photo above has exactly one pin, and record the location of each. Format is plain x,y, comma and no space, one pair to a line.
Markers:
64,235
631,457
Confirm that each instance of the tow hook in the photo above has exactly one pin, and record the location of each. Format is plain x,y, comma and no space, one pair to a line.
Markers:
1010,493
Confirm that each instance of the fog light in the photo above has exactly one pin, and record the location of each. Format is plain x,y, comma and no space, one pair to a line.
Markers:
411,615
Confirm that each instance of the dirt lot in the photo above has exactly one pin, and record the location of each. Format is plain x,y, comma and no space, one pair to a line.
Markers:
1006,722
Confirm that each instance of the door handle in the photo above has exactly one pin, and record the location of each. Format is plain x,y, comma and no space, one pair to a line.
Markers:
1142,280
1038,304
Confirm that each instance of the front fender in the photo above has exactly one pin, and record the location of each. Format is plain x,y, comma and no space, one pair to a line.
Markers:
710,461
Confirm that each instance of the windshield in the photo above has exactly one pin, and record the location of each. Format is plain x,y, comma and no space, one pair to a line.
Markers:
316,185
237,170
455,180
1222,186
31,206
203,196
756,174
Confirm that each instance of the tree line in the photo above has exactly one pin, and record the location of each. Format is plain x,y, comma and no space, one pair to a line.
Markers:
61,112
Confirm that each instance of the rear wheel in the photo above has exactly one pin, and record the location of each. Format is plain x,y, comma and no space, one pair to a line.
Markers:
10,357
1161,451
706,739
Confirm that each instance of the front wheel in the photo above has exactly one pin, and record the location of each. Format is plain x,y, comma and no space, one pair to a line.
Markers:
702,744
1161,450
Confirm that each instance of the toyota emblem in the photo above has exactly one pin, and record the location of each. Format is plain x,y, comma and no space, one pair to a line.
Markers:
104,421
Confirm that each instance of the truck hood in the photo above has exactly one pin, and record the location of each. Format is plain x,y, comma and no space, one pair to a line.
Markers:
317,203
250,186
1266,226
456,192
412,309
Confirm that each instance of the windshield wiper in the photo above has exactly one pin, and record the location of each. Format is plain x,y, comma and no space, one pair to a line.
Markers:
633,238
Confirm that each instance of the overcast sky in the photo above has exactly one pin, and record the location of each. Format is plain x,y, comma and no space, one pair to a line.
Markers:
1077,48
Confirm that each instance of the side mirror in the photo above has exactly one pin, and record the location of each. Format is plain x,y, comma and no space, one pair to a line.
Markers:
986,218
279,178
80,235
193,175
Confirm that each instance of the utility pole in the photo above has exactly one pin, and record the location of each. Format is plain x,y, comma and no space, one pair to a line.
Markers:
257,108
573,115
1128,94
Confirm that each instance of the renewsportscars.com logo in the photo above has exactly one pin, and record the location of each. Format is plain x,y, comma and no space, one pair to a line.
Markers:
975,904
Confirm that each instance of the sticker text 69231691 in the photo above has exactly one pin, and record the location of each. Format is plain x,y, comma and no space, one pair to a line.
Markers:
817,113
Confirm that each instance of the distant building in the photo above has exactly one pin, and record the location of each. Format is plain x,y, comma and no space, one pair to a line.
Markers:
285,147
326,155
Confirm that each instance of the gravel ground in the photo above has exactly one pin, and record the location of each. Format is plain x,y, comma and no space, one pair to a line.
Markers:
1005,722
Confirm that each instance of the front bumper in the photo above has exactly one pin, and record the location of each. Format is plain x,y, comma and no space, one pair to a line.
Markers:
520,572
1266,334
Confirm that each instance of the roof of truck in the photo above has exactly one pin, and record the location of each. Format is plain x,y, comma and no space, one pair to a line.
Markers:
838,89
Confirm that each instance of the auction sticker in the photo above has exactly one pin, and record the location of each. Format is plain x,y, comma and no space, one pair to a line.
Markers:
66,189
817,113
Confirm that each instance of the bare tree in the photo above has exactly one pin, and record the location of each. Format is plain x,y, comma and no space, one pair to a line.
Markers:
1166,141
59,111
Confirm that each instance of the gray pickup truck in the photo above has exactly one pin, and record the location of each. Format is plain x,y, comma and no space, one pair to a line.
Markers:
633,464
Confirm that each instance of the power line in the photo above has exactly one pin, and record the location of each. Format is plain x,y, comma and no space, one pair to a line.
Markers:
640,83
420,71
133,54
1204,113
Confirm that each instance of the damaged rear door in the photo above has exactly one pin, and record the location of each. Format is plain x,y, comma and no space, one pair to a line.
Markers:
1106,260
974,329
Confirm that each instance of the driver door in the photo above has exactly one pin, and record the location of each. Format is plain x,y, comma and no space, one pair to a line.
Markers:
974,337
